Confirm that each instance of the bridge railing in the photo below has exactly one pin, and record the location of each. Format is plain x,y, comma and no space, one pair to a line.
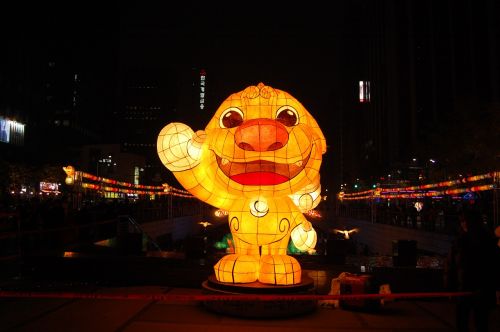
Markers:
27,233
439,221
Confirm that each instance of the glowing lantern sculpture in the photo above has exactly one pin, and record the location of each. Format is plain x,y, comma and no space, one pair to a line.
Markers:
70,175
258,158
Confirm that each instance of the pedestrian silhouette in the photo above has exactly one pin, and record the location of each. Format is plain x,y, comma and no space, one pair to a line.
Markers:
473,267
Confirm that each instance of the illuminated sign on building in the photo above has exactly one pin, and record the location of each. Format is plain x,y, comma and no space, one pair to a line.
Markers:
203,75
11,131
364,91
136,175
4,130
49,187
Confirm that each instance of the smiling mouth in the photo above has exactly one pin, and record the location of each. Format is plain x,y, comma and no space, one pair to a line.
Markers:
260,172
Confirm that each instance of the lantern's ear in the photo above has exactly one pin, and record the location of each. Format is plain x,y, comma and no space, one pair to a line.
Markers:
307,198
179,148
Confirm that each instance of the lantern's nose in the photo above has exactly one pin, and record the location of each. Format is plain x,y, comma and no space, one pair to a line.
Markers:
261,135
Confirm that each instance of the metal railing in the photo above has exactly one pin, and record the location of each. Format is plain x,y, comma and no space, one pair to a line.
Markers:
123,226
16,242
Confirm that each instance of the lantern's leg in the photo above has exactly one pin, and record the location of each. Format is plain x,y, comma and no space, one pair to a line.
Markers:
241,267
276,267
237,268
279,270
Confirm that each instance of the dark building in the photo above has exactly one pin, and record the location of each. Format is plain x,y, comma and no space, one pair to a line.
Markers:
109,161
158,82
66,100
62,93
57,76
196,104
147,98
434,72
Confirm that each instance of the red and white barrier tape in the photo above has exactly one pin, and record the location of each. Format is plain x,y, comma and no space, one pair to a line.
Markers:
212,297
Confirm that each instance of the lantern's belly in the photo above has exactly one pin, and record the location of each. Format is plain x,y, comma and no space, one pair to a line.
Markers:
259,231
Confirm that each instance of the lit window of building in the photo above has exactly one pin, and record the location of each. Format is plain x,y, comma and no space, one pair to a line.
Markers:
364,91
11,131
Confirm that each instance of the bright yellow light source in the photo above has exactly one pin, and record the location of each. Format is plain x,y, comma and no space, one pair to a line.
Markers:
70,254
205,224
259,207
220,213
173,147
258,158
418,206
346,232
70,175
304,240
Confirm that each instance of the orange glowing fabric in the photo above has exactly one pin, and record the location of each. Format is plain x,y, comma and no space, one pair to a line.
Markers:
258,158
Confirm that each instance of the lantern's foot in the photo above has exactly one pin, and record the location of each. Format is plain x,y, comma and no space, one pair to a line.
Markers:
279,270
237,268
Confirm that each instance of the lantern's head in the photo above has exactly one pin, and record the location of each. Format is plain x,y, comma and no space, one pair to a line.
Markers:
262,140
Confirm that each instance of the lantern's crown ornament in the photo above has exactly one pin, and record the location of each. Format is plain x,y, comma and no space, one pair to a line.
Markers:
258,158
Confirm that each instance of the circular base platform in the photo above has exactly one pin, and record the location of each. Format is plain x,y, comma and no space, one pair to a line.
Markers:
260,309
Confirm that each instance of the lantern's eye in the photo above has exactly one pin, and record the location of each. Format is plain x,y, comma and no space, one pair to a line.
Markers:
288,116
232,117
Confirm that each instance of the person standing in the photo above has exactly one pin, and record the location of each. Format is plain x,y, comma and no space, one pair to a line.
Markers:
473,266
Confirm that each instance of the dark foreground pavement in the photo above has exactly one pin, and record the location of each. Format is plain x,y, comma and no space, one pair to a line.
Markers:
25,314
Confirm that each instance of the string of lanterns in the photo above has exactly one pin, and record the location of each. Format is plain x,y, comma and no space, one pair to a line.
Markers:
72,176
422,191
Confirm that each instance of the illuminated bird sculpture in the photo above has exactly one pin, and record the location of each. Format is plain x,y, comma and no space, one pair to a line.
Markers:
258,158
205,224
346,232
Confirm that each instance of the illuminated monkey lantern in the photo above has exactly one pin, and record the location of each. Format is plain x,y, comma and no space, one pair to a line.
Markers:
70,174
259,159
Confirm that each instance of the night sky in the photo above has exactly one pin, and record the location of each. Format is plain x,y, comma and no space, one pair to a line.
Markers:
286,46
316,52
289,46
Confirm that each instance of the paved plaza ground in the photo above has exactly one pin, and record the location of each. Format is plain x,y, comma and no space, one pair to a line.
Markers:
142,275
50,314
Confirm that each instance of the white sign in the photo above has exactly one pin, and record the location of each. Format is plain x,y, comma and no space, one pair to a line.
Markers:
202,88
